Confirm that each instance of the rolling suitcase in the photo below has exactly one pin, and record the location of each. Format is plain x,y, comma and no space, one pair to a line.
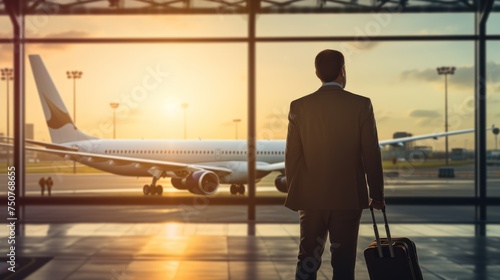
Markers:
391,258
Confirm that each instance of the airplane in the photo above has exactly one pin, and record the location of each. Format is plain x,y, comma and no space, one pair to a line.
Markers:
198,166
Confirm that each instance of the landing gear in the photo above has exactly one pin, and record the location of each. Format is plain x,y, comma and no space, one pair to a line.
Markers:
153,188
159,190
237,189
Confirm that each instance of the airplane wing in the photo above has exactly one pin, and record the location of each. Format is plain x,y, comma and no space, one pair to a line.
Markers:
145,163
44,144
399,141
280,166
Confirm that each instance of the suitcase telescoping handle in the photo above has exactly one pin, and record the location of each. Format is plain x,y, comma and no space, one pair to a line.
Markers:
377,236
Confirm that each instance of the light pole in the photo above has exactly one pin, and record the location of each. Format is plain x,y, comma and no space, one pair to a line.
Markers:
74,75
114,105
496,130
236,121
446,70
185,106
7,75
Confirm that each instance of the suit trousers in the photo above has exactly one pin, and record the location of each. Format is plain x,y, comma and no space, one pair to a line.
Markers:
342,226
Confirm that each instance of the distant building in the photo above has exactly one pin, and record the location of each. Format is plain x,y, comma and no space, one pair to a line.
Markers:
493,157
425,149
406,145
29,131
458,154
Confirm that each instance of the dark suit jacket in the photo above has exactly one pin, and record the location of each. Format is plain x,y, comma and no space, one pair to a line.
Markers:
332,152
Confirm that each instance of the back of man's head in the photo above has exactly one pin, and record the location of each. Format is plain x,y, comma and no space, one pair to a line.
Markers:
328,65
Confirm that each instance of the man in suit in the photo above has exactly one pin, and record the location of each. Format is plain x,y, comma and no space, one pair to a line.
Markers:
333,168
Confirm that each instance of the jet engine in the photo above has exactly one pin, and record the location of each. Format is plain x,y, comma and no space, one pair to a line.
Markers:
198,182
177,183
280,183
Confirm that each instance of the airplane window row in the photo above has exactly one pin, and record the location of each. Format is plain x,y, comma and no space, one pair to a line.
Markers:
190,152
156,152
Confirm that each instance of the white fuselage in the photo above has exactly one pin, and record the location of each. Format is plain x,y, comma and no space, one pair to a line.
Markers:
231,154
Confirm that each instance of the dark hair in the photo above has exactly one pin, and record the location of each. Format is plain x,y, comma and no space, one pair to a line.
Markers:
328,64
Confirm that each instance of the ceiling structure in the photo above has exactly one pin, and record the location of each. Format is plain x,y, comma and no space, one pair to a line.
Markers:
113,7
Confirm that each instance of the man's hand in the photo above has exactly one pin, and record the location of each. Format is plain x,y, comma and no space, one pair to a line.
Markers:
377,204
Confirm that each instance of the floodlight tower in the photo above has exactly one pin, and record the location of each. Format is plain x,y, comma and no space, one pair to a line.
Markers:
114,106
185,106
236,121
496,130
446,70
74,75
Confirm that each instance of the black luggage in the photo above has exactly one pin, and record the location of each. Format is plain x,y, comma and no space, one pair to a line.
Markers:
391,258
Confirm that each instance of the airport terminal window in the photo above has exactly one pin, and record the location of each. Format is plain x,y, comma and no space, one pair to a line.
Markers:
416,72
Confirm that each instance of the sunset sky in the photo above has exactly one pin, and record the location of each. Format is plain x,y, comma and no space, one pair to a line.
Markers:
399,77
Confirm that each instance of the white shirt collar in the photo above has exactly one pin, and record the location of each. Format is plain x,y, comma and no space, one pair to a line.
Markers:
332,84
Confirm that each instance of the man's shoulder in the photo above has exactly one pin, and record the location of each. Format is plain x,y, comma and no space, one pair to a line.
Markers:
356,96
346,94
301,99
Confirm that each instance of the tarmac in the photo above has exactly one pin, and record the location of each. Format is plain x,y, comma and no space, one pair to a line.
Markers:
184,251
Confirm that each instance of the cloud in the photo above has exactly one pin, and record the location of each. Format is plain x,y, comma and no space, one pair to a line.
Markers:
364,45
491,100
5,49
382,116
425,117
59,35
5,52
68,34
462,78
428,75
424,114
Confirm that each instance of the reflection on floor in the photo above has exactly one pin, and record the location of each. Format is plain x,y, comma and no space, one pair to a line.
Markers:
122,251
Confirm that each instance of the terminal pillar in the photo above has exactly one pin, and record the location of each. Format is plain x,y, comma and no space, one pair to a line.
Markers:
482,12
15,10
252,7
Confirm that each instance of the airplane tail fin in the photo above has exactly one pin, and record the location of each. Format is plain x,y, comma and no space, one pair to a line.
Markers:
61,126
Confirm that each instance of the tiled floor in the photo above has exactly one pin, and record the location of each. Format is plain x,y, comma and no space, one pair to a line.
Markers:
129,251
